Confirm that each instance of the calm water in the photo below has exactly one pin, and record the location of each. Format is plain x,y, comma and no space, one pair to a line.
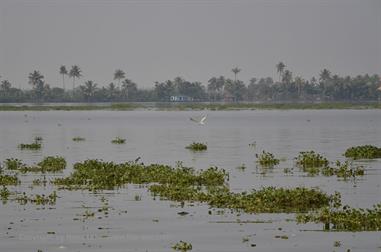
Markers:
160,137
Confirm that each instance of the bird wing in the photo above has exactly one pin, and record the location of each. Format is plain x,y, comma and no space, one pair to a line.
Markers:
203,119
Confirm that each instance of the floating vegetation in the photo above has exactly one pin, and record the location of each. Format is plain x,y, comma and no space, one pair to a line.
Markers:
118,140
267,159
345,219
38,139
182,246
6,180
13,164
4,193
363,152
48,164
98,175
37,199
78,139
241,167
309,160
197,147
343,170
185,184
32,146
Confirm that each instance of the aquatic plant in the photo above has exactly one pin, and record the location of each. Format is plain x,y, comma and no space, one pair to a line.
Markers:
363,152
182,246
32,146
266,159
197,146
48,164
4,193
346,218
118,140
6,180
78,139
13,164
343,170
38,139
311,161
37,199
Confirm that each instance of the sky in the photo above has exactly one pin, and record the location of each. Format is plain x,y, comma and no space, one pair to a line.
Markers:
157,40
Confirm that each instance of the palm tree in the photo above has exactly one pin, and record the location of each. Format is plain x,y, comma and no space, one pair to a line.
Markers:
88,90
280,68
129,88
75,72
287,77
36,79
325,75
118,75
64,72
5,85
236,70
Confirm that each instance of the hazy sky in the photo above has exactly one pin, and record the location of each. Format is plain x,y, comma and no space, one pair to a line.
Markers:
156,40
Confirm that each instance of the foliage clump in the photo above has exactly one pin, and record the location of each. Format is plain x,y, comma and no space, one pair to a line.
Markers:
33,146
363,152
197,147
13,164
6,180
118,140
78,139
345,219
343,170
37,199
311,161
267,159
48,164
182,246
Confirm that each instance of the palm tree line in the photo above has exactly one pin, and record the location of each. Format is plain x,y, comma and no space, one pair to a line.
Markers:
327,87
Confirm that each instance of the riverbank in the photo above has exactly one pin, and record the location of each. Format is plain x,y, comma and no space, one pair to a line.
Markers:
186,106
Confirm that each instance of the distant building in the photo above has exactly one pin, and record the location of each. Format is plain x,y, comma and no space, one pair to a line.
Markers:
180,98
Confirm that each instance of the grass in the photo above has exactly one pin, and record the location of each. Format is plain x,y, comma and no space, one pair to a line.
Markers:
363,152
197,147
118,140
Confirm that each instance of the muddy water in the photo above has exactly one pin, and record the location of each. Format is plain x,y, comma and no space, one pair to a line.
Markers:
149,224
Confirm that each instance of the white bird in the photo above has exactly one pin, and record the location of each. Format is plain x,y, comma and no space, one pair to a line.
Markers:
200,121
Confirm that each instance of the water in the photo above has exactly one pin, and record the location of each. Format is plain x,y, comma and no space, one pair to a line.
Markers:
160,137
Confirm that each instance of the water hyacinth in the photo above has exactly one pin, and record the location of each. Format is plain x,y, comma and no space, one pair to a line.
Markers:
48,164
197,147
6,180
13,164
345,219
118,140
363,152
33,146
311,161
182,246
267,159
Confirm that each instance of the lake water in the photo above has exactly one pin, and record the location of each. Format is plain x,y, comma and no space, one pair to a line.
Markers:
160,137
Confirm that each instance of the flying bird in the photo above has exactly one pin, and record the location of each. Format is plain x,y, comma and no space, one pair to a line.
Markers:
200,121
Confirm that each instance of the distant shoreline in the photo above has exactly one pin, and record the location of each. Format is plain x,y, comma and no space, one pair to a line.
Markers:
188,106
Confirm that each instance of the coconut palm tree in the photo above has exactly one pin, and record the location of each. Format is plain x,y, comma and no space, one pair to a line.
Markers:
36,79
75,72
5,85
88,90
325,75
64,72
280,68
118,75
236,70
287,77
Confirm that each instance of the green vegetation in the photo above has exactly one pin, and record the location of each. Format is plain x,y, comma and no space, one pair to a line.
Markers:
13,164
6,180
118,140
311,162
343,170
363,152
4,194
37,199
267,159
185,184
78,139
345,219
197,147
182,246
32,146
